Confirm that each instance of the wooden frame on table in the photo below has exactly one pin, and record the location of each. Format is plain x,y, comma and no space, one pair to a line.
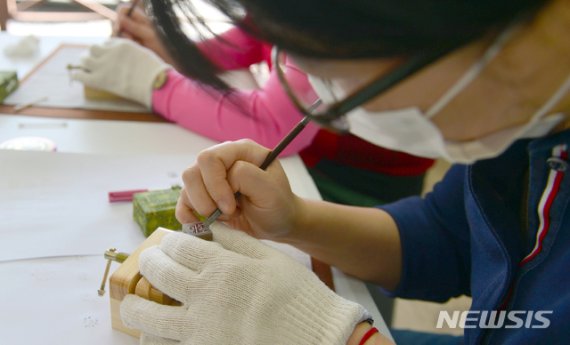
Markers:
74,113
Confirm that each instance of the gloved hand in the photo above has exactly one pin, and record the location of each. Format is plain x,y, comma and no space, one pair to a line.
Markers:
236,290
122,67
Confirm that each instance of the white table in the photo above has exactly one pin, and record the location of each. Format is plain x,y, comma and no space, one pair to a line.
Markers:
33,297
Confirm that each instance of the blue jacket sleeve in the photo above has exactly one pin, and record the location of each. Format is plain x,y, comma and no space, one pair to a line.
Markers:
434,236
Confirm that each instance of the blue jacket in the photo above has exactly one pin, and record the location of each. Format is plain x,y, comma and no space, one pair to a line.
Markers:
498,231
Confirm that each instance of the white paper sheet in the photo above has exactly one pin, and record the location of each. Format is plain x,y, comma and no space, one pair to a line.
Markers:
51,80
57,203
55,302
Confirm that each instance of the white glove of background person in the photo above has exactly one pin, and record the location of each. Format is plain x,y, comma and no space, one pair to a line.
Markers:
236,290
122,67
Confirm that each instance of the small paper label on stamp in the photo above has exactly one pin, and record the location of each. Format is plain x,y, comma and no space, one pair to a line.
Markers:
195,229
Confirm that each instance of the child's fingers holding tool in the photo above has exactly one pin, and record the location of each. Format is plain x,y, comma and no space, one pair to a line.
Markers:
196,196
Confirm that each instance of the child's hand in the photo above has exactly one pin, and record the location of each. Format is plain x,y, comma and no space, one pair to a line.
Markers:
139,28
267,208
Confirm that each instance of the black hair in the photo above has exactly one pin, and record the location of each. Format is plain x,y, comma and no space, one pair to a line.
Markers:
339,29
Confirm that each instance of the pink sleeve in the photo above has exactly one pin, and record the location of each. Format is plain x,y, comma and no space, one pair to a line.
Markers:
263,115
234,49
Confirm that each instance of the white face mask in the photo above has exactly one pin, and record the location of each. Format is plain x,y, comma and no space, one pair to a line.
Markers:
410,130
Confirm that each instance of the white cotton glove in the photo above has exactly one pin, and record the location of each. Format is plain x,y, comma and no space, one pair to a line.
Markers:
236,290
122,67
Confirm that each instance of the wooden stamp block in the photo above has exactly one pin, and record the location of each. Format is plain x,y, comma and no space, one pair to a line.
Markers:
128,280
99,95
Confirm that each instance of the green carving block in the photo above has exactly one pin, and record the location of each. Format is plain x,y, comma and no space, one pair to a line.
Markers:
8,83
156,209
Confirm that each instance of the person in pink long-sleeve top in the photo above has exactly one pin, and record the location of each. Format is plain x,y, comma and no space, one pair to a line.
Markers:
266,114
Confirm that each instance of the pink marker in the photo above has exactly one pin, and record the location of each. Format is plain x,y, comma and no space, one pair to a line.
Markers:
125,195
